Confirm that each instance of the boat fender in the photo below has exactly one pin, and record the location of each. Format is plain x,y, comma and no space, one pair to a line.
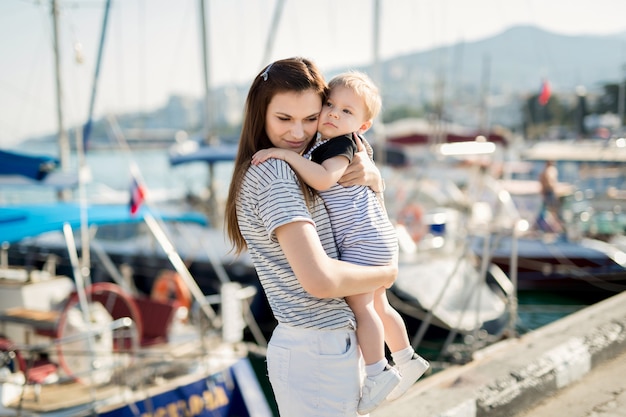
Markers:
412,218
169,286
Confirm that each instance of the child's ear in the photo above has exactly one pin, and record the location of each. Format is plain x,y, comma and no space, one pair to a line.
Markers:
365,126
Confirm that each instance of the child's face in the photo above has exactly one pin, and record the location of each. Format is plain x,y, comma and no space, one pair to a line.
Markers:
343,112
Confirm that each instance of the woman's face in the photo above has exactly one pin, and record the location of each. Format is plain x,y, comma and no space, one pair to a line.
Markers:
291,119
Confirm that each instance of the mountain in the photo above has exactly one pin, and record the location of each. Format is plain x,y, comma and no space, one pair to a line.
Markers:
512,64
516,61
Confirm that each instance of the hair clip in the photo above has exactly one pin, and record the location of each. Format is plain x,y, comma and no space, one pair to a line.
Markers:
266,72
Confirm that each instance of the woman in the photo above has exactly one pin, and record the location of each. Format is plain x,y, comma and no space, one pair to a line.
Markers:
312,356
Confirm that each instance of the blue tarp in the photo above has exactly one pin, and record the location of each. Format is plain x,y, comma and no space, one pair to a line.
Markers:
19,169
36,167
22,221
208,154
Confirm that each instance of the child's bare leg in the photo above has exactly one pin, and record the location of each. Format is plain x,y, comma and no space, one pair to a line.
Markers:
410,364
395,332
369,329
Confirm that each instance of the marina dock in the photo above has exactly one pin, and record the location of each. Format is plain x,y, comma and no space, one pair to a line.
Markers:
601,393
511,377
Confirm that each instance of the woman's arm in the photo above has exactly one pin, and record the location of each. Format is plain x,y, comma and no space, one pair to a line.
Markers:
318,176
322,276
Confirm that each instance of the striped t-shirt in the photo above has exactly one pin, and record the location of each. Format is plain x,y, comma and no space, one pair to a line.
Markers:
362,229
270,197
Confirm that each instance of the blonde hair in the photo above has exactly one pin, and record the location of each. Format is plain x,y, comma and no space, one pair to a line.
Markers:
363,87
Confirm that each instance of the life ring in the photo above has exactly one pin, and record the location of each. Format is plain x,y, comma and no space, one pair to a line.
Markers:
412,218
170,286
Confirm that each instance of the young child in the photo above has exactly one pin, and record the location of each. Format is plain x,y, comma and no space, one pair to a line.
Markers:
362,230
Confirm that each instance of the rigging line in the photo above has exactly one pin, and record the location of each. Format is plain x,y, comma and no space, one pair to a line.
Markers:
269,44
158,229
120,62
35,75
142,54
75,95
87,127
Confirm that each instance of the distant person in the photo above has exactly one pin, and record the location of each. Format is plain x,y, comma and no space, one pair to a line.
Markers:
362,230
550,210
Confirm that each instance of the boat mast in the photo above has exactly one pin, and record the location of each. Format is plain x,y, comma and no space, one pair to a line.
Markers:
64,143
483,109
621,99
378,128
209,120
269,43
376,41
210,137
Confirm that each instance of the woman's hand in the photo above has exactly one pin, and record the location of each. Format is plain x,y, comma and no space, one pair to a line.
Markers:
394,263
362,170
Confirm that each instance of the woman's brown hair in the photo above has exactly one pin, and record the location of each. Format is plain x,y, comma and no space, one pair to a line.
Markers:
291,74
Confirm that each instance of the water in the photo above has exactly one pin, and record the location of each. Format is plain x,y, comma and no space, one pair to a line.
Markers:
538,308
111,177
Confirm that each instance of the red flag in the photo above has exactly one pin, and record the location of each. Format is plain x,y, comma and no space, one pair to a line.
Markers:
544,95
137,194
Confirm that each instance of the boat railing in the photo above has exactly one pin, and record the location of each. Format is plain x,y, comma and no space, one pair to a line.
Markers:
40,362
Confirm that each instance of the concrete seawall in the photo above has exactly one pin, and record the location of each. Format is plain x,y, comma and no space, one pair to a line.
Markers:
510,376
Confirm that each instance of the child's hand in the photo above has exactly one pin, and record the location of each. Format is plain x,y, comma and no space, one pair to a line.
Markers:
359,143
265,154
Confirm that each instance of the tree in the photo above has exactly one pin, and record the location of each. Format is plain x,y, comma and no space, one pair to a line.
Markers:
608,102
537,118
400,112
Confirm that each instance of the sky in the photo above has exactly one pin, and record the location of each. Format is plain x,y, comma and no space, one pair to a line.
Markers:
153,48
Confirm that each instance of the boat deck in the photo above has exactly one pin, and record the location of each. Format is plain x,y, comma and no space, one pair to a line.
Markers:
62,396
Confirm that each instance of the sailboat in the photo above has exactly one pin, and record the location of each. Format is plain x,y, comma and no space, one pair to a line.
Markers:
583,258
70,347
443,289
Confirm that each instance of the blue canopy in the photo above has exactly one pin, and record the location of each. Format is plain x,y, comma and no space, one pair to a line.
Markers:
209,154
22,221
21,169
30,166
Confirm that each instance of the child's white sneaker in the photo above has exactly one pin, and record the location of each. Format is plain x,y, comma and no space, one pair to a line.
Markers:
376,388
410,372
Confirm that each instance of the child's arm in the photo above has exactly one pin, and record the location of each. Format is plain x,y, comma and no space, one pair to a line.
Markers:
318,176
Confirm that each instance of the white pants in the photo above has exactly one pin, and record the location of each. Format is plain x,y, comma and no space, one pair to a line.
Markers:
314,373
